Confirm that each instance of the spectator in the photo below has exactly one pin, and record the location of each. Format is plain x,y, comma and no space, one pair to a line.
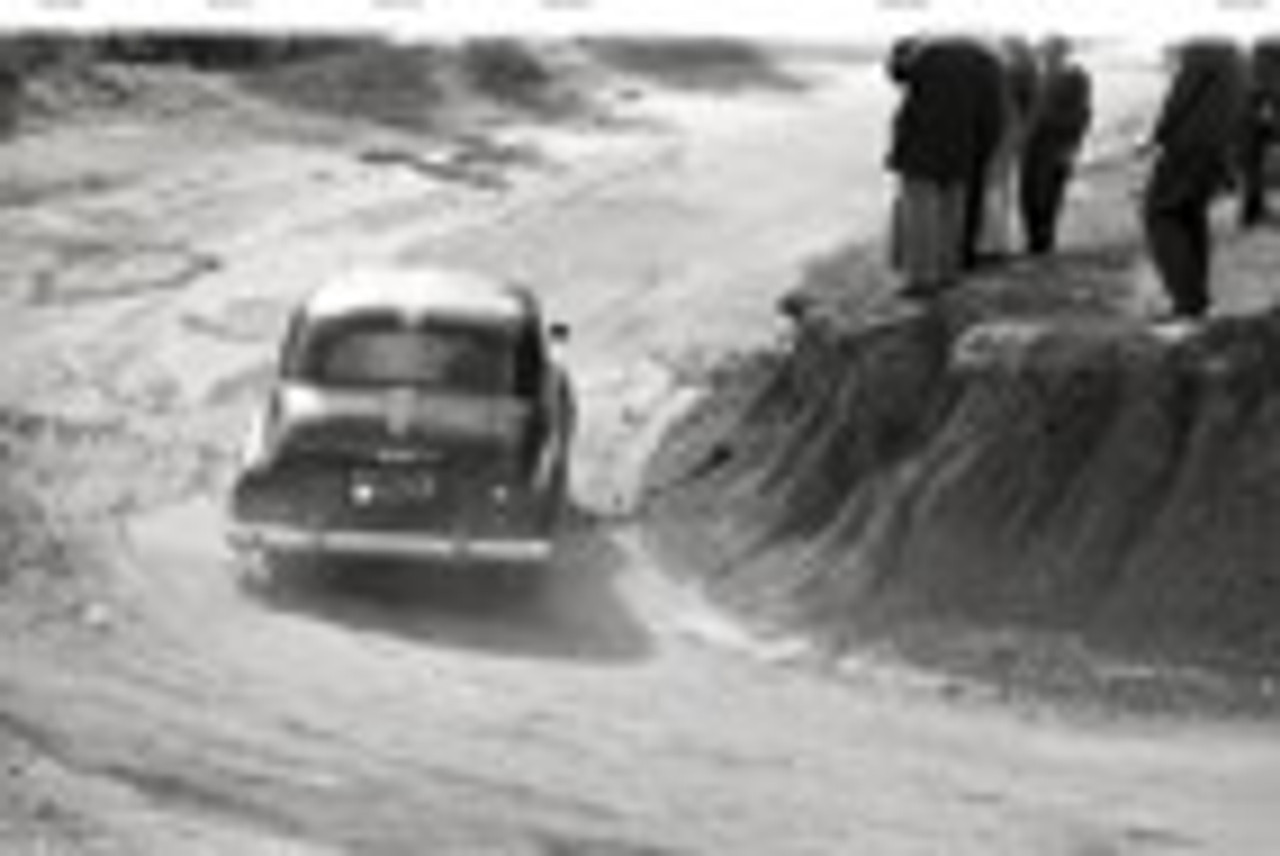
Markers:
943,134
1059,122
1261,129
1194,141
11,86
1018,86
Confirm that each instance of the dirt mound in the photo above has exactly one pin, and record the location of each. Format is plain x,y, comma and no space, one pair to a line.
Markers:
425,87
430,86
695,63
974,465
440,87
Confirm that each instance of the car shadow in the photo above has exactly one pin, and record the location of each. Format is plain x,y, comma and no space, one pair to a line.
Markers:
573,609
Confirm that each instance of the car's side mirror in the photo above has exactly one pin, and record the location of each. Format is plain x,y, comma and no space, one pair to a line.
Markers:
559,331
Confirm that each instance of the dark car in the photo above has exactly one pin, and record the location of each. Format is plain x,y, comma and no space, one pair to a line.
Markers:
416,414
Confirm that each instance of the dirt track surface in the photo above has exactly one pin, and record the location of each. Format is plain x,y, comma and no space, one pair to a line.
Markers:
158,702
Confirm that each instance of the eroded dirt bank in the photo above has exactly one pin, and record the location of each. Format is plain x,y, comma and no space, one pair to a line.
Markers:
1016,479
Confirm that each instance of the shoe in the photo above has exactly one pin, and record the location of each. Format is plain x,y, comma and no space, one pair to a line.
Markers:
1177,326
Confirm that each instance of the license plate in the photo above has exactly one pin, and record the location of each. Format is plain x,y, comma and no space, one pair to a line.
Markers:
391,487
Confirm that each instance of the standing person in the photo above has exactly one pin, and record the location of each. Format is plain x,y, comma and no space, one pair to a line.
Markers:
943,133
1060,120
1194,141
989,86
1018,84
11,70
1261,129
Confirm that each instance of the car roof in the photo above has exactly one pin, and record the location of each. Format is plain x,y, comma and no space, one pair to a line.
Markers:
420,292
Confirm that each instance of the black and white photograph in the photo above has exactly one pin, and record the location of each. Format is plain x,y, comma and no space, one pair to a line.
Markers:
443,429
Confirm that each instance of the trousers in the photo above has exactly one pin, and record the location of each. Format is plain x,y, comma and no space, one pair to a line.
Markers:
926,232
1175,217
1179,243
1042,190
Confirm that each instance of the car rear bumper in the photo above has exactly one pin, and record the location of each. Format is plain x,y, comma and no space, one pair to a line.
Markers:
406,545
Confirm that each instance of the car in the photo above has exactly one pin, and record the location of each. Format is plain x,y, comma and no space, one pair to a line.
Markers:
418,414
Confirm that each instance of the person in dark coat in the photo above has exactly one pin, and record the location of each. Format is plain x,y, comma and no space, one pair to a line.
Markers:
945,129
1261,129
1195,144
1060,119
11,80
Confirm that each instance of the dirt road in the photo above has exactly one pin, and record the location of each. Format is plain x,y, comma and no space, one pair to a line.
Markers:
159,703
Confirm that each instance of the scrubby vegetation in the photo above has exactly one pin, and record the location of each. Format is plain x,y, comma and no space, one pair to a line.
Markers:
694,63
421,87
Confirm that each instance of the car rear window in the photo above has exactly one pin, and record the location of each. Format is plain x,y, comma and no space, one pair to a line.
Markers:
449,357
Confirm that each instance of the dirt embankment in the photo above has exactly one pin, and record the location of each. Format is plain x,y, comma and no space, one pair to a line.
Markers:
445,87
1026,466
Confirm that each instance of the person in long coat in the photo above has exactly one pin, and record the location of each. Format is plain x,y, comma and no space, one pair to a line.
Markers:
944,132
11,85
1261,129
1195,142
1060,119
1019,85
